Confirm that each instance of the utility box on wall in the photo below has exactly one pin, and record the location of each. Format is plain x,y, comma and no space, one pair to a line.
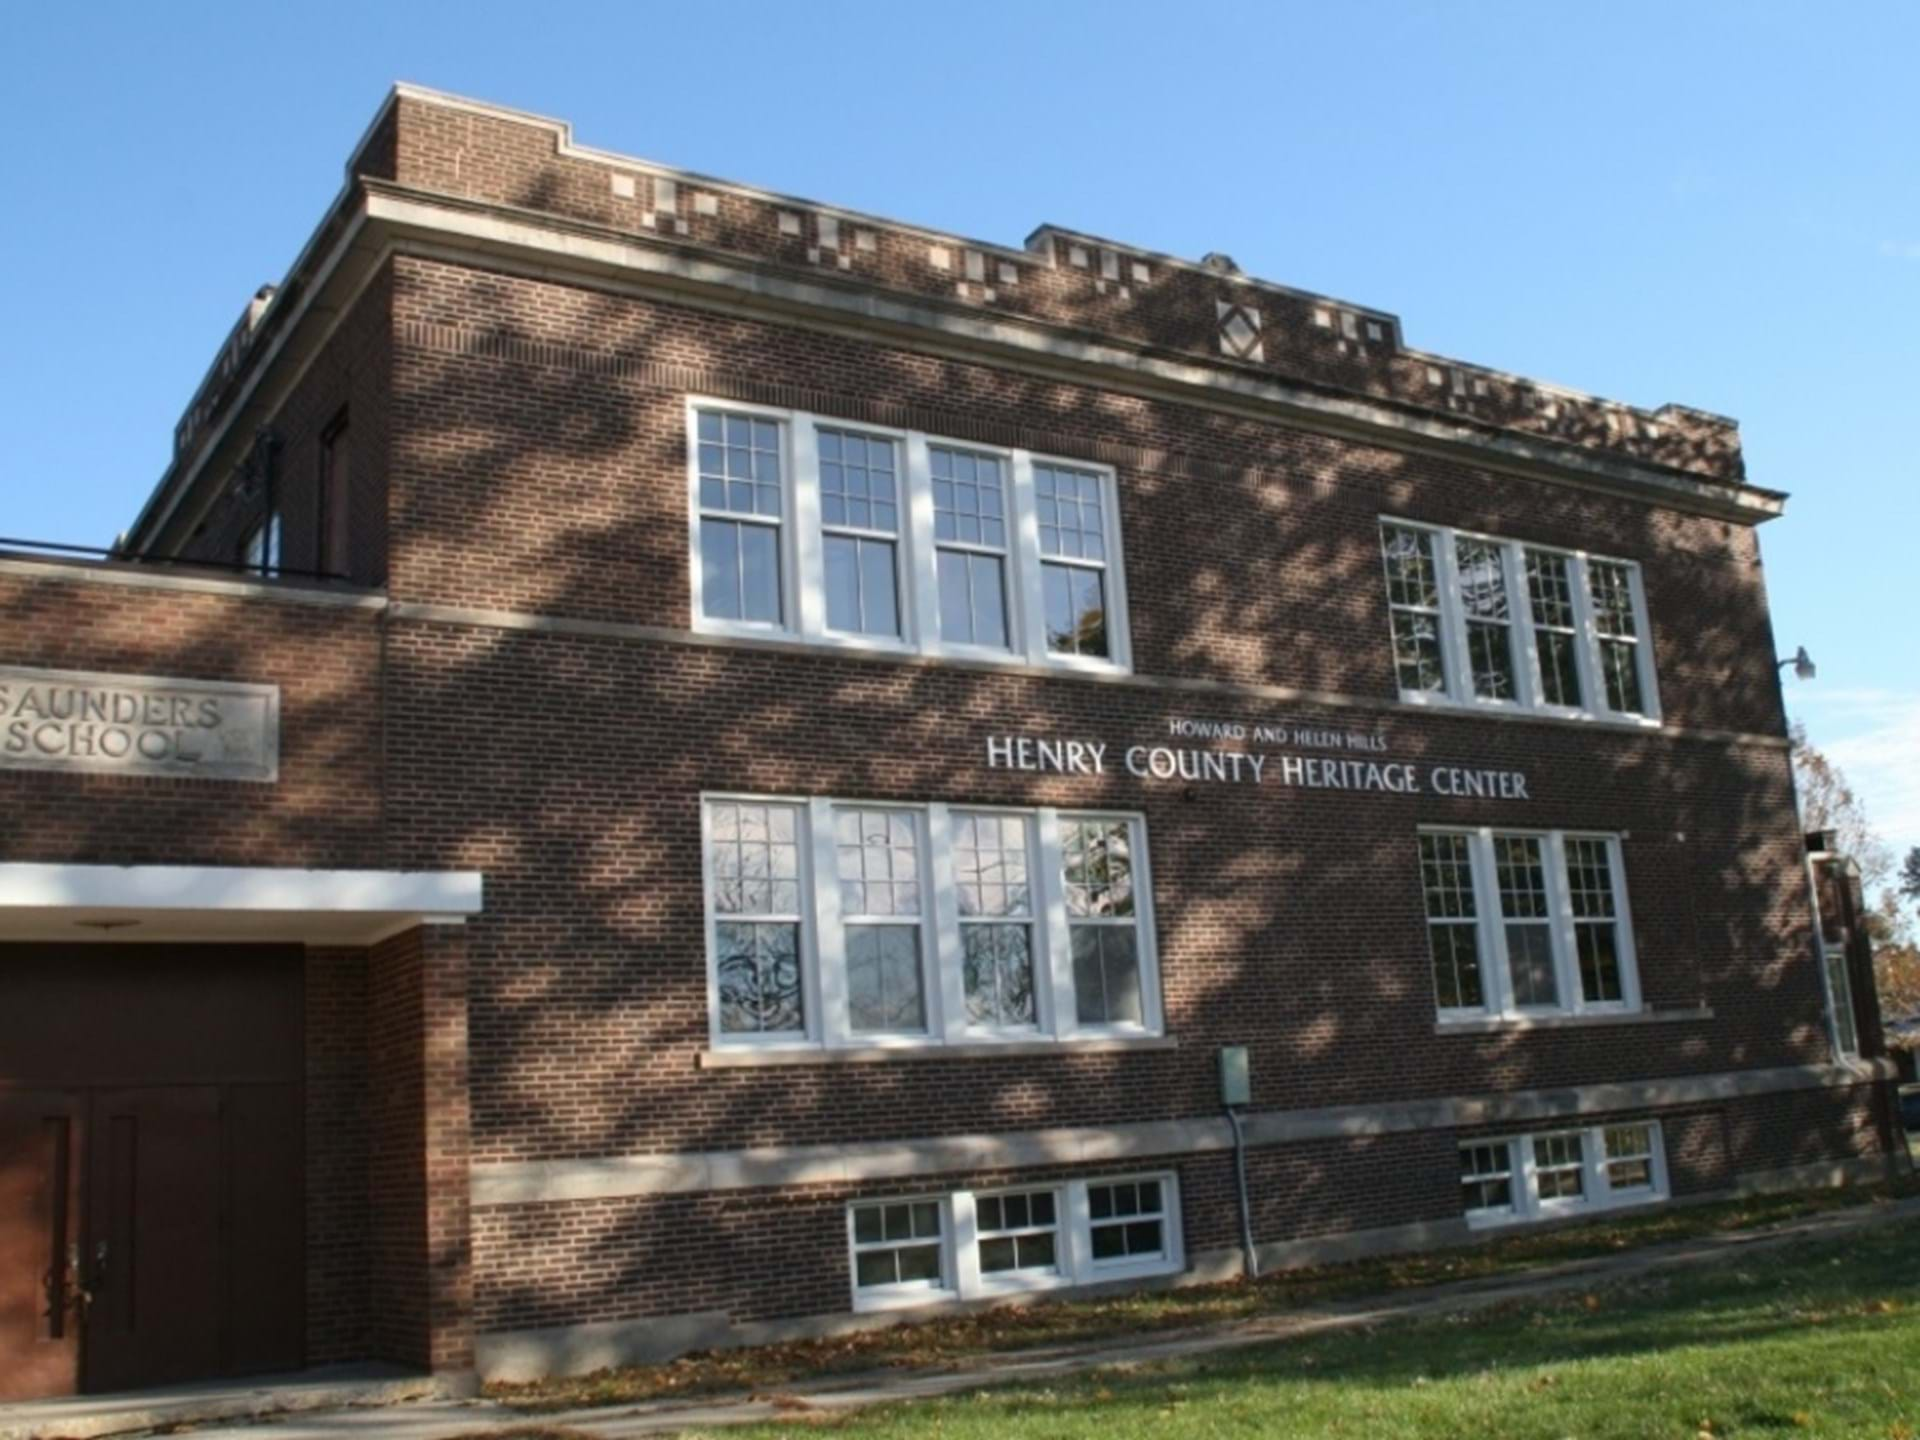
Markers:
1236,1076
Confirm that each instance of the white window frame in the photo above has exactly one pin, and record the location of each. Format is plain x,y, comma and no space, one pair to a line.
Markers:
785,528
808,923
1528,686
907,1295
822,943
1836,982
1598,1194
802,547
1073,1246
1496,975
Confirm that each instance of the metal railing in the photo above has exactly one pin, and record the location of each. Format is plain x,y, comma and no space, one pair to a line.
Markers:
15,545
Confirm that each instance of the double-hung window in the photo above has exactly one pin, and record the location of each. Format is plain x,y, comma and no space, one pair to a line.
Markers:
844,924
850,535
756,891
968,1245
1486,622
860,531
741,508
1561,1172
1527,923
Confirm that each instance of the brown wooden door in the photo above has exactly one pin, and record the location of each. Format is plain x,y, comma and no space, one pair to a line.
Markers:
40,1154
153,1261
158,1089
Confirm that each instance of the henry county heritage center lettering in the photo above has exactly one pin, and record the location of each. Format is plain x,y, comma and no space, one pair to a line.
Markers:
1194,764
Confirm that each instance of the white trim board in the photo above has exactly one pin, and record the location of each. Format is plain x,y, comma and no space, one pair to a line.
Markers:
142,903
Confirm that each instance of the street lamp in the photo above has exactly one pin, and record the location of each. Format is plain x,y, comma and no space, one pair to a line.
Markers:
1803,668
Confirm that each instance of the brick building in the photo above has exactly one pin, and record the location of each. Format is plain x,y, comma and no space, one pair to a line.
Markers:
669,765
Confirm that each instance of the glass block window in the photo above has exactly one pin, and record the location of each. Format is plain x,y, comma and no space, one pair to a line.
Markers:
1019,1231
1102,921
859,530
900,1245
1486,1177
1489,618
754,857
1556,634
741,501
1610,588
881,905
1521,874
991,875
1413,597
970,544
1596,925
1128,1221
1629,1158
1073,565
1560,1166
1453,930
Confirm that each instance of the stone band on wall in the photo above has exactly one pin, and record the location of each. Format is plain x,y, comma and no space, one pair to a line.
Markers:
541,1181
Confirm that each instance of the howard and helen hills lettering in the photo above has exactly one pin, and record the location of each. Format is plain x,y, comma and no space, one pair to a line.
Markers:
1218,764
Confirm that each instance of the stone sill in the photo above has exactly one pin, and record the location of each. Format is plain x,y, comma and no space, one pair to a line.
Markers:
879,1054
1500,1024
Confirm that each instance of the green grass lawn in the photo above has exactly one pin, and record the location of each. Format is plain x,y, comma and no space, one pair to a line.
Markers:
1818,1339
1069,1321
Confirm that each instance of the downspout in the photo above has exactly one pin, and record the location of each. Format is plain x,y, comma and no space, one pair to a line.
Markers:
1251,1256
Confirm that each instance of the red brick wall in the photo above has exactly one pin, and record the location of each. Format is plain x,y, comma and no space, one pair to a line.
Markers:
542,428
459,152
346,381
421,1295
1289,920
325,808
338,1276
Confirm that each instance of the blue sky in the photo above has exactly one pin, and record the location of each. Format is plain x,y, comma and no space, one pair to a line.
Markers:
1711,204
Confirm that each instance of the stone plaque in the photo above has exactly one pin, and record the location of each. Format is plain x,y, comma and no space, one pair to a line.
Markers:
138,725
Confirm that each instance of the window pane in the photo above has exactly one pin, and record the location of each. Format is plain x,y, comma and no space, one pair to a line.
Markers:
990,865
883,978
989,600
759,977
860,585
1071,521
1490,656
1599,964
999,974
1530,957
879,600
1098,862
1456,966
739,464
1620,668
755,859
1550,593
1483,596
857,484
1106,975
719,569
875,1267
1076,607
1559,1166
759,573
1417,656
1412,578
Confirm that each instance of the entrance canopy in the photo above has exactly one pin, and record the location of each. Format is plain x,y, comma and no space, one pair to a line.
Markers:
138,903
